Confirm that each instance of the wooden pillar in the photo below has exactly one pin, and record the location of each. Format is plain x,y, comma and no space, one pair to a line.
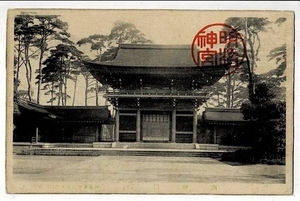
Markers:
215,135
173,138
37,134
138,125
195,126
97,134
117,126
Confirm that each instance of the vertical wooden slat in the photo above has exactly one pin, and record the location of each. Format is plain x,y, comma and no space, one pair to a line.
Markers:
138,125
195,126
97,134
215,135
37,135
117,126
173,125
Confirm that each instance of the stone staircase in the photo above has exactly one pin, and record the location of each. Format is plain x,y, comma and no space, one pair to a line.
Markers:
125,149
122,152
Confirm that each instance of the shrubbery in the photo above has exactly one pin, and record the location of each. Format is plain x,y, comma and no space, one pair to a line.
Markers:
242,156
267,117
250,156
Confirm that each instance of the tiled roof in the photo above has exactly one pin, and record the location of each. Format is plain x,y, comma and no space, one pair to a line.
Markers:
223,115
65,113
81,113
156,66
140,55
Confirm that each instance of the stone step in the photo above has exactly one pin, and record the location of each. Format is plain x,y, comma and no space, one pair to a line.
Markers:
122,152
152,145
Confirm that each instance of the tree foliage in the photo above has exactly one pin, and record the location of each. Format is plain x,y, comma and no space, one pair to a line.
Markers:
97,43
230,91
24,36
125,32
278,74
250,29
106,48
266,108
32,34
268,117
60,66
48,27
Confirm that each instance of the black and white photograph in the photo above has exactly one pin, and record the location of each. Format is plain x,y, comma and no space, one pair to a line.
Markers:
150,101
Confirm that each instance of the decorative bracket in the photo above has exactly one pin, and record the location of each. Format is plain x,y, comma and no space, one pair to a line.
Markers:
196,103
174,102
117,104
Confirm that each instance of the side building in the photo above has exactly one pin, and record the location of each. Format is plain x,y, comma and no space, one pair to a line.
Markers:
69,124
223,126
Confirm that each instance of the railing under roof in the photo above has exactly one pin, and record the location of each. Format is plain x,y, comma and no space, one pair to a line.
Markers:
159,93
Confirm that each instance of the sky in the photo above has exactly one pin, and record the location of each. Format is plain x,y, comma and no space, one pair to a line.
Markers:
162,27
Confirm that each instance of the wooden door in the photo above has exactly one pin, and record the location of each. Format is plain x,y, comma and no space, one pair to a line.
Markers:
156,127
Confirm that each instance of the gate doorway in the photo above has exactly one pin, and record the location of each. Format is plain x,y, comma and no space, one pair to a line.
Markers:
156,127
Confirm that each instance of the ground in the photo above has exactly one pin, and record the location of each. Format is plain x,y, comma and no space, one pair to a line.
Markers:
141,170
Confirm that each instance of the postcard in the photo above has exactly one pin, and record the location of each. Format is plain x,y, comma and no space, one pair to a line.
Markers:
150,101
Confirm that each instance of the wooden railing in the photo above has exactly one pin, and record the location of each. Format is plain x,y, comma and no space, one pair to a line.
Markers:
154,92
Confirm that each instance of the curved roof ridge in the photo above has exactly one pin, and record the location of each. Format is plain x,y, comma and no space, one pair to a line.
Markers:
152,55
153,46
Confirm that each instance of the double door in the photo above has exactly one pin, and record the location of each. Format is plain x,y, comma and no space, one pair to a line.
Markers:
156,127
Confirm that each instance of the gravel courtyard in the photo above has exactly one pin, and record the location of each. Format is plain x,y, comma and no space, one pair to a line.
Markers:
142,170
137,168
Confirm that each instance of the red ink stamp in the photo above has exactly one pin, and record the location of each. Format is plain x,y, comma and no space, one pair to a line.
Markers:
219,45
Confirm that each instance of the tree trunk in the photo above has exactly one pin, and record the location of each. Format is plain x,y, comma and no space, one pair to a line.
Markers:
18,62
65,89
250,70
40,70
250,65
59,94
228,92
28,71
62,96
97,83
74,93
27,79
232,93
86,89
61,79
251,83
52,91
